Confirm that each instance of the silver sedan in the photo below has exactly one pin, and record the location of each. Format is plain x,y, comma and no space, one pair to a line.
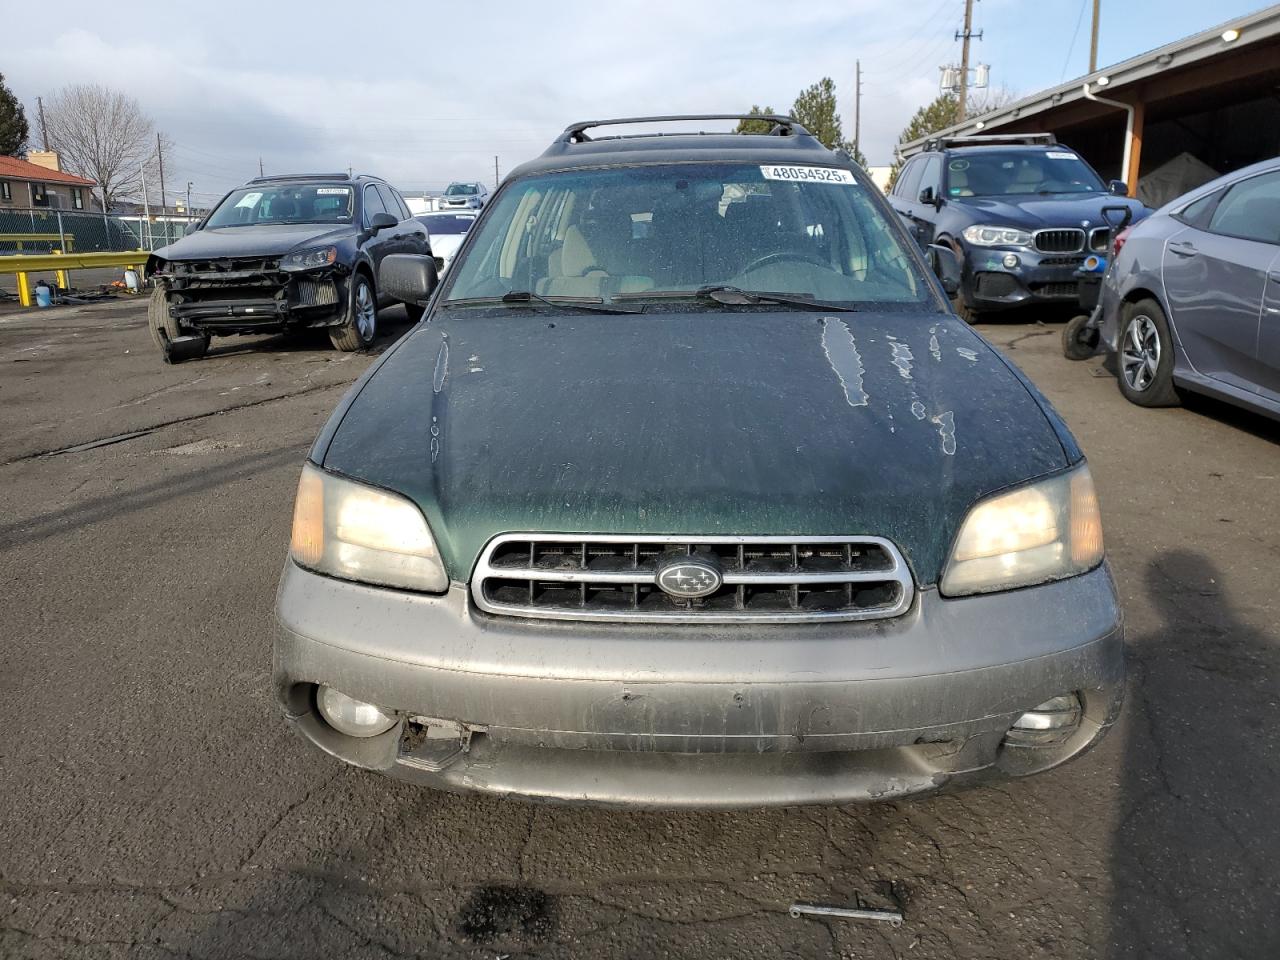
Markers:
1192,301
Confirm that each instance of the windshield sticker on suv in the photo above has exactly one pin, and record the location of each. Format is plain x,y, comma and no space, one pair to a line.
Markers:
1060,155
326,191
249,199
808,174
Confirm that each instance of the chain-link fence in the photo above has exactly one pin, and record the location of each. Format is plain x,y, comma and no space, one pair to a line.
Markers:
73,231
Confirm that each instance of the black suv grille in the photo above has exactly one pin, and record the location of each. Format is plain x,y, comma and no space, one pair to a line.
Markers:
1059,241
765,579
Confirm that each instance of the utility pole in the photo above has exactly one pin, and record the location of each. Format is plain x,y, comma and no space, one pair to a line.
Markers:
1093,43
146,209
44,130
160,157
964,57
495,172
188,201
260,173
857,105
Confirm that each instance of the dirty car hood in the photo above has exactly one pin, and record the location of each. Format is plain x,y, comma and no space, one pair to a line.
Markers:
1053,210
694,423
267,240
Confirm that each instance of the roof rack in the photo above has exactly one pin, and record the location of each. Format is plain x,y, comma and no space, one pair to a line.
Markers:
301,176
991,139
782,126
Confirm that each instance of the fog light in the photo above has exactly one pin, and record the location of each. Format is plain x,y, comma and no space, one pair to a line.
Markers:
353,717
1056,713
1010,261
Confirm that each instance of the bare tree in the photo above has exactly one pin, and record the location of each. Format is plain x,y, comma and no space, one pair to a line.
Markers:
104,135
992,98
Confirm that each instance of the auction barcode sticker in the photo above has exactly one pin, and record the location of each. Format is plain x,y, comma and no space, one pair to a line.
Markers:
326,191
1060,155
808,174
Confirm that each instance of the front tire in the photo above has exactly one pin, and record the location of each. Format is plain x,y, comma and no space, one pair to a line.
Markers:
964,311
1145,356
1079,338
360,328
165,328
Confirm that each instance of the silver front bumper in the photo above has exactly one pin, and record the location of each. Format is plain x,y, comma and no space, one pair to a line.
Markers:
691,715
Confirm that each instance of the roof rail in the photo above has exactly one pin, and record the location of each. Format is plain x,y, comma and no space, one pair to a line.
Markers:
782,126
991,139
301,176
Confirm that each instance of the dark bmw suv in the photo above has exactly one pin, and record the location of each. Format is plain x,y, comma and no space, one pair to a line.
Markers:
283,253
1022,212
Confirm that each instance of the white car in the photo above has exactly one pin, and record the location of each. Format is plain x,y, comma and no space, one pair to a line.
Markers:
447,230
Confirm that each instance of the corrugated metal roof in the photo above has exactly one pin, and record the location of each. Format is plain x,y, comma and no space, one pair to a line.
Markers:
1252,28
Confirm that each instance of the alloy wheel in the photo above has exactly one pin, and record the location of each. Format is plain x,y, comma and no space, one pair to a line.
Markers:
1140,355
366,312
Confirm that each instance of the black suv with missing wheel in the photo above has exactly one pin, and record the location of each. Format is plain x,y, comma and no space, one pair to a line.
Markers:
283,253
1022,211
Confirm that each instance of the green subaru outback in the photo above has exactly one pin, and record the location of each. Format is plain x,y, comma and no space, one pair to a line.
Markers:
690,490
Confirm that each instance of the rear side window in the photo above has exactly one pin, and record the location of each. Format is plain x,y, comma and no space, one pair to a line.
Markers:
1250,209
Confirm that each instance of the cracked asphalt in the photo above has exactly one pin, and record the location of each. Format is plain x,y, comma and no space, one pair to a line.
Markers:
153,805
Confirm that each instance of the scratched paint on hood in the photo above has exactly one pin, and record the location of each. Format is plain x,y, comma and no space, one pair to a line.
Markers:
842,354
902,358
970,355
946,422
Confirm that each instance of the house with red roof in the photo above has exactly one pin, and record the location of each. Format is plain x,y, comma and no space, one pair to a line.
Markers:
39,182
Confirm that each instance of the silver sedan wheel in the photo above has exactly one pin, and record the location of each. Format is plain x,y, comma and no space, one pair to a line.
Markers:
1140,354
366,312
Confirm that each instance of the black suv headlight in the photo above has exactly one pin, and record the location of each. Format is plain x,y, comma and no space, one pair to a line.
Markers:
309,259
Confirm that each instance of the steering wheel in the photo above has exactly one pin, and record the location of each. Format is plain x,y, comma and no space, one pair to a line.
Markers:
784,255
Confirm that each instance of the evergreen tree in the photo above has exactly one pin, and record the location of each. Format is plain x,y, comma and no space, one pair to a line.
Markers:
13,123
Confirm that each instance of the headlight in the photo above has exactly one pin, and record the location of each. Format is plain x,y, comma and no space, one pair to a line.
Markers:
1044,531
983,236
348,530
309,259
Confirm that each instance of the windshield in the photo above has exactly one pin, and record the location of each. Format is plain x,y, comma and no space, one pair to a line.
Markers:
607,233
286,203
444,224
1020,172
461,190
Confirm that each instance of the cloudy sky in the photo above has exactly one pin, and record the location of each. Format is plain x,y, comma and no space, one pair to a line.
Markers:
425,93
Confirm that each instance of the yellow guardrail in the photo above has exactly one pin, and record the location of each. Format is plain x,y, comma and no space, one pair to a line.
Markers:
23,264
21,238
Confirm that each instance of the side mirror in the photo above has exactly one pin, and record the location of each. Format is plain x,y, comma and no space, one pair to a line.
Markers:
946,264
407,277
381,221
1118,188
926,196
192,227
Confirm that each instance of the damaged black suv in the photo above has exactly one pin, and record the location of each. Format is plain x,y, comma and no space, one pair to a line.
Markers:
281,254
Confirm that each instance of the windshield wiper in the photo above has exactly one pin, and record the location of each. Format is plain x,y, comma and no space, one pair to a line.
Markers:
731,296
526,298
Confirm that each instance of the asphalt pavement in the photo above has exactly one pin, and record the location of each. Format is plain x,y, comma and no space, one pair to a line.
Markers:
154,805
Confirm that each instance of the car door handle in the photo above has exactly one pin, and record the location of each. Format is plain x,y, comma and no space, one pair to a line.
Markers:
1183,249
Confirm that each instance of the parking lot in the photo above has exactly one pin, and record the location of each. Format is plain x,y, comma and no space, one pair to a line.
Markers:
153,803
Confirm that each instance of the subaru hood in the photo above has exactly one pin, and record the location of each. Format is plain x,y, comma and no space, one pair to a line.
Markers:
264,240
783,423
1053,210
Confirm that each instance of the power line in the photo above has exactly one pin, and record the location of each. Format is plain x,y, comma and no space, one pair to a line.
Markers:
1072,45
